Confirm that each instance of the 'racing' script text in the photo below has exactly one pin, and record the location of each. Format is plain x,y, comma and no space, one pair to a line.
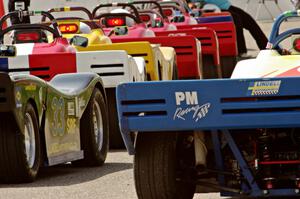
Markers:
199,112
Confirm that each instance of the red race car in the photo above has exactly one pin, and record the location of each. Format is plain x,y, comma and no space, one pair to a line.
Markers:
222,24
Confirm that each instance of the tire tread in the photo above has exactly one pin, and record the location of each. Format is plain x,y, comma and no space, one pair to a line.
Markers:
91,156
13,167
158,180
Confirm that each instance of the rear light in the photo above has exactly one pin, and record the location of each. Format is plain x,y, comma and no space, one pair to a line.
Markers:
112,22
145,18
28,36
168,12
296,44
68,28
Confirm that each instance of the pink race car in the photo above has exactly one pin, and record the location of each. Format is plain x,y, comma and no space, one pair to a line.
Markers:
177,12
120,22
153,15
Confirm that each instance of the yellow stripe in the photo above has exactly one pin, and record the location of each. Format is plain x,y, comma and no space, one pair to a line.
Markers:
262,87
67,9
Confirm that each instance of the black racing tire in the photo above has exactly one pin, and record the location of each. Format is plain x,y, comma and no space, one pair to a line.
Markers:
228,65
210,70
15,167
155,168
94,153
115,138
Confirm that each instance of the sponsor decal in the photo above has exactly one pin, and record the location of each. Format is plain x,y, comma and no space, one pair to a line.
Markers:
58,120
190,106
264,88
18,97
71,108
71,125
30,87
199,112
176,34
67,9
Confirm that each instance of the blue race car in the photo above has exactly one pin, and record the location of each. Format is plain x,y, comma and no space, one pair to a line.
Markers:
236,136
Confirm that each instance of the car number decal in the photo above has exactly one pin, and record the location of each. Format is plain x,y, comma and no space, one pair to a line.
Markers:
58,123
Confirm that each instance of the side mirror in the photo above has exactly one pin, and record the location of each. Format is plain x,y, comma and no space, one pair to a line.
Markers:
7,51
121,30
79,41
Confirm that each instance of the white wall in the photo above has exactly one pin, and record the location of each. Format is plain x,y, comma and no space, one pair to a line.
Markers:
263,14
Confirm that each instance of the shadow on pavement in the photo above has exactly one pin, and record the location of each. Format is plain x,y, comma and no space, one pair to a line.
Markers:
65,175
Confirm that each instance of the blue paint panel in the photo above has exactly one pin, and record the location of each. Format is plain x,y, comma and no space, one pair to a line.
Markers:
3,64
263,109
214,19
220,104
233,104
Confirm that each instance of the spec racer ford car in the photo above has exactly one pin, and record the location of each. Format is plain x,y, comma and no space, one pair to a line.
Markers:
238,136
49,123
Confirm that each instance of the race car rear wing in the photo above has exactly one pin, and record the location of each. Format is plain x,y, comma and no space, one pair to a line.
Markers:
188,52
226,36
208,105
48,65
134,49
207,37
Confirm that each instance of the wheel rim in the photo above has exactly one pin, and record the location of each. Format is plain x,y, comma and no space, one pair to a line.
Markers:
98,125
30,144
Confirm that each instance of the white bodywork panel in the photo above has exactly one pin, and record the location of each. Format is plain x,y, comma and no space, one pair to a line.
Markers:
138,66
18,63
112,66
269,63
24,49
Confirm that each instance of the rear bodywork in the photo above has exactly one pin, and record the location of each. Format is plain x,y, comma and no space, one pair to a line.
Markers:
227,40
250,123
217,106
188,53
47,64
59,109
268,63
157,66
211,64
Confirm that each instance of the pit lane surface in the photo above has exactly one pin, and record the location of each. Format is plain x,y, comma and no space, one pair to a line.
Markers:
114,180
